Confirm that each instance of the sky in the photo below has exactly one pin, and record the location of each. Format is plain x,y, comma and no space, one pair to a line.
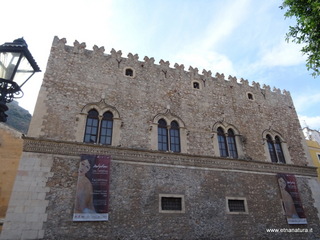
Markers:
241,38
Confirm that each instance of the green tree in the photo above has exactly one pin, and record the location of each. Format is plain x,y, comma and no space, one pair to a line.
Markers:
307,29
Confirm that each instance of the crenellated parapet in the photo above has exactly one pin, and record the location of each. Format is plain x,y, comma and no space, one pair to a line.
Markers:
164,66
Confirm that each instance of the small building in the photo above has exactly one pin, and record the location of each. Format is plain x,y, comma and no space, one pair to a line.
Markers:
10,154
122,148
314,148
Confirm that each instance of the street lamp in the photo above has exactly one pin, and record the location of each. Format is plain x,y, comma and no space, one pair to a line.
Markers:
17,66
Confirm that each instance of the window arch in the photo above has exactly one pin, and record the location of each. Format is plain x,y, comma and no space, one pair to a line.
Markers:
99,122
168,136
168,133
98,129
227,141
275,149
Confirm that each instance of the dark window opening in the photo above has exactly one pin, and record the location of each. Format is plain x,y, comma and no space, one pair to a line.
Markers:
236,205
92,124
174,137
272,150
106,128
196,85
129,72
168,138
171,203
275,149
222,143
232,147
227,143
162,135
250,96
98,130
277,144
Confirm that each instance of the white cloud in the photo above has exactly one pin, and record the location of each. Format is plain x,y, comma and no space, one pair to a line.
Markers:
208,60
311,122
308,104
303,102
202,53
283,54
224,22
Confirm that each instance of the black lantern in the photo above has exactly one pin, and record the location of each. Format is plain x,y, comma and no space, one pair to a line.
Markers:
17,66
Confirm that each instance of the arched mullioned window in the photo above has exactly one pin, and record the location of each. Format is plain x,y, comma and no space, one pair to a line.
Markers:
232,147
162,135
222,142
91,131
106,128
168,138
227,143
98,130
174,137
275,149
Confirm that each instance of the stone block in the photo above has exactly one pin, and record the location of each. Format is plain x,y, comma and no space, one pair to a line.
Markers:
29,234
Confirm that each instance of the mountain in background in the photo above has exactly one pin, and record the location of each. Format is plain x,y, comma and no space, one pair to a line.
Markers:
18,117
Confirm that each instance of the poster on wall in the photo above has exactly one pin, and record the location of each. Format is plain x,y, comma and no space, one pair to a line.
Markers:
92,193
291,199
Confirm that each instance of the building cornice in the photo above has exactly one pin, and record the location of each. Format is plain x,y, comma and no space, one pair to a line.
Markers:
149,157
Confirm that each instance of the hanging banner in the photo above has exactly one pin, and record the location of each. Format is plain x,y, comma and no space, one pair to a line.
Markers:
92,194
291,199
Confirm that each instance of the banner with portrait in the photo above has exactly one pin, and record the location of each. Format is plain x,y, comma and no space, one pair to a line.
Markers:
291,199
92,193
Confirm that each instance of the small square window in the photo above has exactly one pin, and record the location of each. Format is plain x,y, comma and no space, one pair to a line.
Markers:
196,85
129,72
318,154
250,96
236,205
170,203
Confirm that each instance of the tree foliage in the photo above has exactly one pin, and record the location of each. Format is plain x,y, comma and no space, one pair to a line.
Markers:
307,29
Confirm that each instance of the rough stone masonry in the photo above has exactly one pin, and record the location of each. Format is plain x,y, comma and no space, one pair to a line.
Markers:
139,94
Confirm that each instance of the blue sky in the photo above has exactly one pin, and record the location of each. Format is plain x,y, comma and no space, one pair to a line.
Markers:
242,38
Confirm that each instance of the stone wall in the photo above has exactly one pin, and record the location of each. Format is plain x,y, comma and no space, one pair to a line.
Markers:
77,80
137,178
27,209
134,204
76,77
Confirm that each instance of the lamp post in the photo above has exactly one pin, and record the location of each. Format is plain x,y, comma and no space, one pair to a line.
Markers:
17,66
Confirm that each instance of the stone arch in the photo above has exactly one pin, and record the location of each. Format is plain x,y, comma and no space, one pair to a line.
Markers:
273,134
238,137
101,107
169,118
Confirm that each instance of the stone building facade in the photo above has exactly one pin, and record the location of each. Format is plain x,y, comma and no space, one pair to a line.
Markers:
208,142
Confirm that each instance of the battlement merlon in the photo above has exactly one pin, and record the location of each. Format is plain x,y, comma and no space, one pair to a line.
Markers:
80,48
